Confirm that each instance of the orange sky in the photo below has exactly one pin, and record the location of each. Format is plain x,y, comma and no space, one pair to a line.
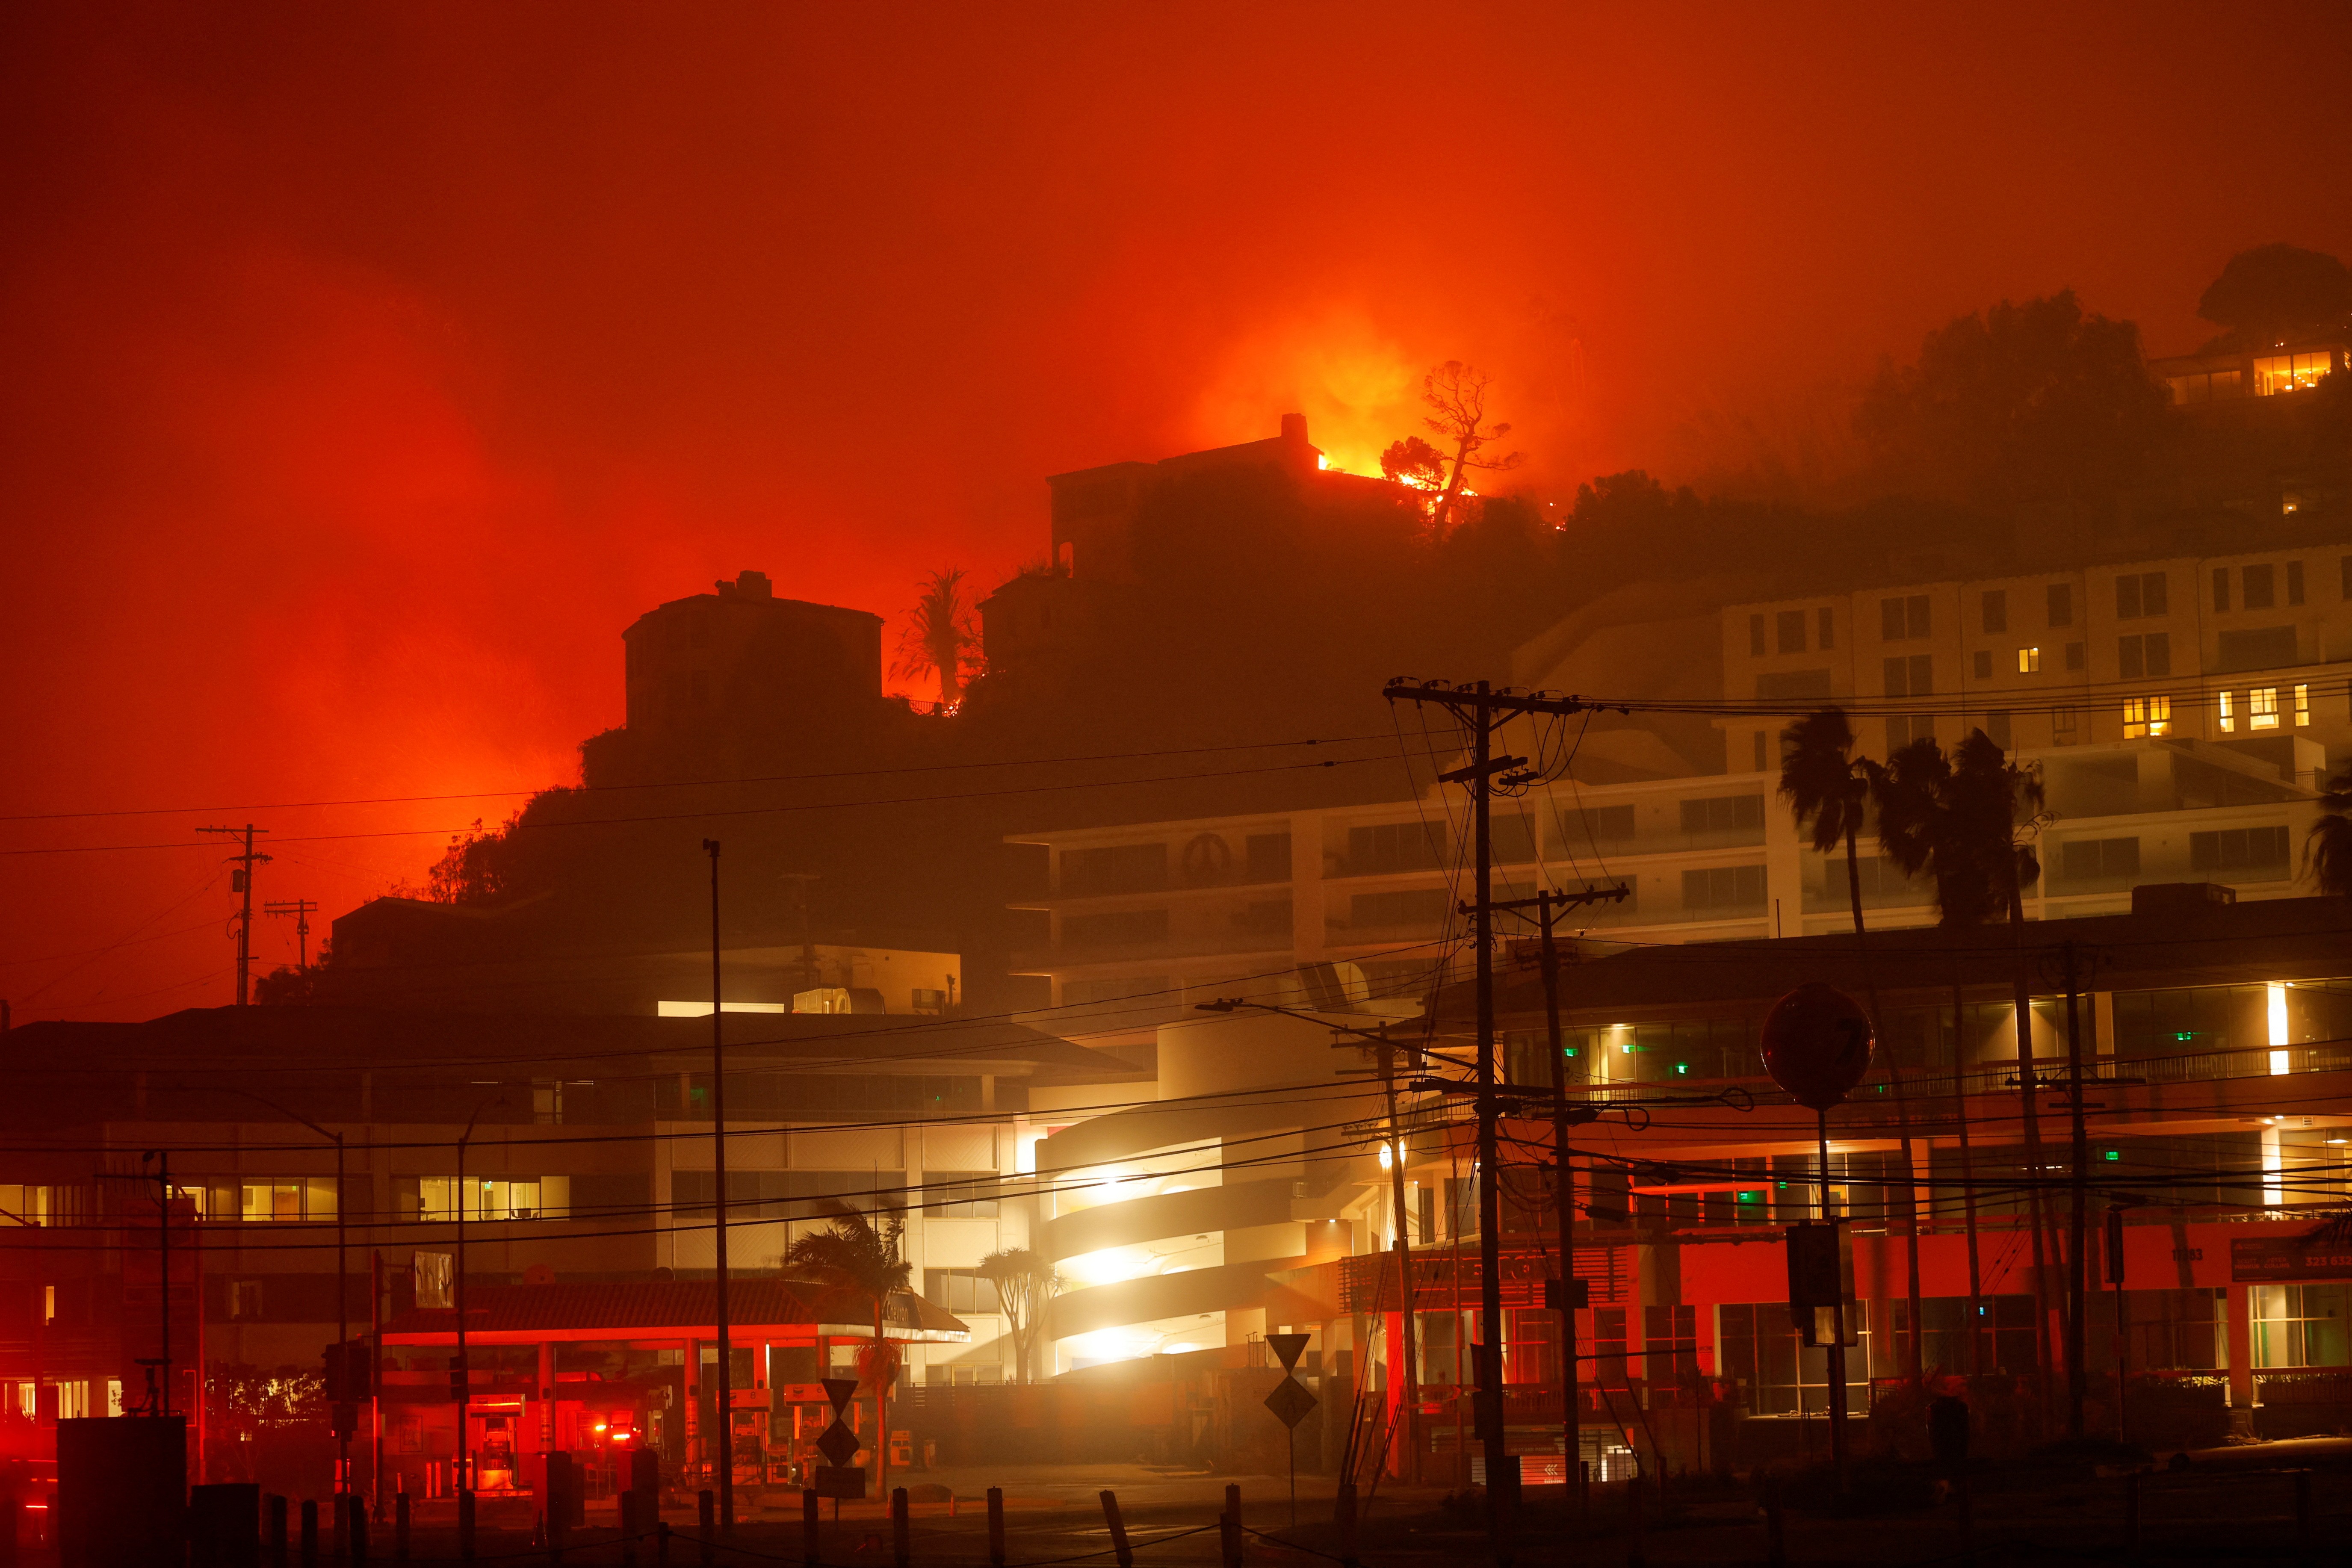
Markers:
372,366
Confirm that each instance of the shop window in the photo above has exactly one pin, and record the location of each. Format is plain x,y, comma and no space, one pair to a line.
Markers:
2302,1325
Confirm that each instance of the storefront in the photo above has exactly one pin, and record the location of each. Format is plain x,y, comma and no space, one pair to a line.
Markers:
603,1370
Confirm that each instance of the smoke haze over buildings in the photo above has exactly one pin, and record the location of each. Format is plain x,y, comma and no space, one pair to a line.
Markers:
371,369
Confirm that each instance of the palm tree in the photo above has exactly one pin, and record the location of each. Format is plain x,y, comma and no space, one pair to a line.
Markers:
940,638
2327,850
1957,818
1025,1285
856,1255
1828,787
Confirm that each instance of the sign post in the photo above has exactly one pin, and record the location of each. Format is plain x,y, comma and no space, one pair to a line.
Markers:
837,1477
1290,1402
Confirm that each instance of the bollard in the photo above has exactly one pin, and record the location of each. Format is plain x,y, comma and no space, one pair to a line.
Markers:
1776,1526
335,1527
309,1532
465,1524
355,1530
2131,1511
898,1544
1233,1499
661,1541
1119,1545
706,1518
1584,1487
2303,1506
1229,1537
627,1503
1633,1557
996,1527
277,1531
1343,1515
811,1527
399,1527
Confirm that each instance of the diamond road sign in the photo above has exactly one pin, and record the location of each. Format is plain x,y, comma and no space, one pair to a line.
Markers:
838,1444
1290,1401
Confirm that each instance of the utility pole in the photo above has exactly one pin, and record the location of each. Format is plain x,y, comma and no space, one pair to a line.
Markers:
1484,711
726,1401
1409,1375
163,1158
240,882
302,909
2077,1282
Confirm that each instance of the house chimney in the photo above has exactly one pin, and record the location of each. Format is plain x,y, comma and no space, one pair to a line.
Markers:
1294,427
746,585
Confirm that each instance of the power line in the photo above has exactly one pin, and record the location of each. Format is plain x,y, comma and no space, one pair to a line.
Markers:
688,783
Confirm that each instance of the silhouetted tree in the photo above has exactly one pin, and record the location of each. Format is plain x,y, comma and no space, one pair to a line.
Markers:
1413,461
2327,849
856,1256
1025,1285
2028,402
1456,395
2277,292
941,637
1957,818
1828,789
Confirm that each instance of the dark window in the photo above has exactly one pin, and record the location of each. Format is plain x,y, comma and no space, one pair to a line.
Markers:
2096,860
1756,634
2061,603
1512,837
960,1290
2074,656
2262,647
1395,846
1581,832
1267,857
1995,609
1911,677
1407,907
2294,581
1724,814
960,1194
1983,666
2262,588
2150,653
1760,760
2139,594
1789,631
1904,617
1672,1333
2239,849
1824,628
1115,928
2221,587
2064,726
1793,685
1724,888
1997,730
1115,868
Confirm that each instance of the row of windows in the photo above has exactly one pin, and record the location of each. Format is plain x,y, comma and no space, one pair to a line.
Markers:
2261,708
2138,595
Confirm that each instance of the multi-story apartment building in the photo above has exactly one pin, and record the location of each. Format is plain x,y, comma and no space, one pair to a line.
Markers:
2182,712
575,1149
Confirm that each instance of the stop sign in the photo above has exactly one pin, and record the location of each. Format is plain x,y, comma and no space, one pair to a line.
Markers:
1817,1045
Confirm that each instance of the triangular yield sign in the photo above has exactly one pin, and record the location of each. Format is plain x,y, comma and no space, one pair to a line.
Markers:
1289,1347
838,1390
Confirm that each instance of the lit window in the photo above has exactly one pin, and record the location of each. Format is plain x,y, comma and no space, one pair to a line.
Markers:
2229,714
2146,717
2303,705
2291,373
2261,707
2029,661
